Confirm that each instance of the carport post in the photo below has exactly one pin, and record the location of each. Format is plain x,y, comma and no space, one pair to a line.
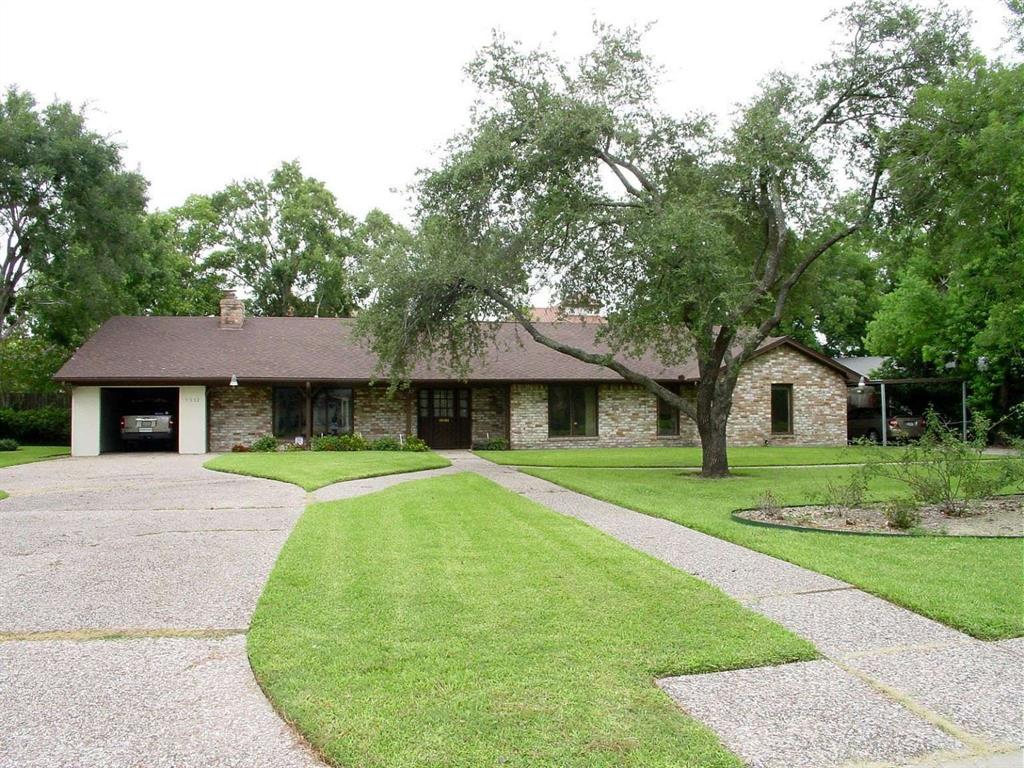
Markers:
963,407
885,419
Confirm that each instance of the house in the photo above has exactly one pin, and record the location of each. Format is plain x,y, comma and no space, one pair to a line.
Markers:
230,379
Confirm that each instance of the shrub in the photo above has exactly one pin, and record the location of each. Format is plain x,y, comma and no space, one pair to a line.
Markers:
239,448
902,514
264,444
386,444
415,444
492,444
355,442
291,447
50,425
768,504
8,444
944,470
848,493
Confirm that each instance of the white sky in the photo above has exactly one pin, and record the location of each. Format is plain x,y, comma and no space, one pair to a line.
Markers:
200,93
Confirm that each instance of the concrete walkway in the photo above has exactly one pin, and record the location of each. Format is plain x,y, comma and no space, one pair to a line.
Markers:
894,687
168,559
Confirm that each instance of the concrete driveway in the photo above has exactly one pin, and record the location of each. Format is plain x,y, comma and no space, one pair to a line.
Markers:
170,559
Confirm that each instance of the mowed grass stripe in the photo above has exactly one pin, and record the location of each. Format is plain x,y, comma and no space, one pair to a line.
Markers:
451,622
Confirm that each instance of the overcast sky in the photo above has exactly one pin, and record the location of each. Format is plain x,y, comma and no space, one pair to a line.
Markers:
200,93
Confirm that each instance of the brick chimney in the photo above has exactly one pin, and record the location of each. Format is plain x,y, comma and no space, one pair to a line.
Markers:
232,311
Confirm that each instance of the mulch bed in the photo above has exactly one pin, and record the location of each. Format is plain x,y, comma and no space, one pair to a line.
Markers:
1001,516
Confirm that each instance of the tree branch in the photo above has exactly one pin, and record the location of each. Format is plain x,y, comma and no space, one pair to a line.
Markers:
604,360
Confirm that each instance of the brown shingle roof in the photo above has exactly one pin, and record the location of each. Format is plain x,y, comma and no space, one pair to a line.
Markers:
267,349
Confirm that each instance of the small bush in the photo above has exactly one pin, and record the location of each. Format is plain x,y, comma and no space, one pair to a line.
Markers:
291,447
902,514
944,470
849,493
492,444
239,448
8,444
265,444
415,444
386,444
354,442
769,506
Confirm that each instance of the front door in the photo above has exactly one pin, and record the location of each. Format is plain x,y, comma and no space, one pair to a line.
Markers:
444,418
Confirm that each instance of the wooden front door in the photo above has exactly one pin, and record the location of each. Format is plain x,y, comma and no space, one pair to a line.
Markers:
444,419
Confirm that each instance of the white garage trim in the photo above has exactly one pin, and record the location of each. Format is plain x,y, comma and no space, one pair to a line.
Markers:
85,421
192,419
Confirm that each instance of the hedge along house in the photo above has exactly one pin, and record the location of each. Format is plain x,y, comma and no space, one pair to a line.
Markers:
231,379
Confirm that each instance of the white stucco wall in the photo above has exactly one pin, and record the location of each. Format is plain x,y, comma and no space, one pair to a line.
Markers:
85,421
192,419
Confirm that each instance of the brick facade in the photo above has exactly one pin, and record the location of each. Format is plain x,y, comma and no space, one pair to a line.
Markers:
627,415
238,415
819,401
375,414
490,413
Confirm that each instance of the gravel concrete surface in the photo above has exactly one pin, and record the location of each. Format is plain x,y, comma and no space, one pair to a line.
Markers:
153,702
916,685
835,718
151,543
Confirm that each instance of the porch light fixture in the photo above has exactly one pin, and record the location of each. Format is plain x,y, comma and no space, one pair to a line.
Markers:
234,381
860,384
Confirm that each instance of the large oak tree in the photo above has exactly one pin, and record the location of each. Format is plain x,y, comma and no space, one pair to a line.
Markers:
689,239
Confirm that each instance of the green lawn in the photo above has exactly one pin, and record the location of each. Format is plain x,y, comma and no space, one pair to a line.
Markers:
973,584
451,622
676,457
29,453
315,469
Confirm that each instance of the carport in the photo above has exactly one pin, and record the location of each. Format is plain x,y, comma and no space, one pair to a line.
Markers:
96,413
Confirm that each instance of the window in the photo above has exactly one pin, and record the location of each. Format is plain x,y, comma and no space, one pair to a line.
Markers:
289,412
782,409
572,410
332,412
668,417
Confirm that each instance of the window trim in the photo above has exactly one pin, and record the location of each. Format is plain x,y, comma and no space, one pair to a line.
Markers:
788,388
597,412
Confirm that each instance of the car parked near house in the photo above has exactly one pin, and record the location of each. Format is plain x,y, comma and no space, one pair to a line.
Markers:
866,423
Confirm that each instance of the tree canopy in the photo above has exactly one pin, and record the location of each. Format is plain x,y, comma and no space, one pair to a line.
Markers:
71,219
689,240
284,242
957,259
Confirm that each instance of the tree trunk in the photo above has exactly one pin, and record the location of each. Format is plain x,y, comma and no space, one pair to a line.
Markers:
714,456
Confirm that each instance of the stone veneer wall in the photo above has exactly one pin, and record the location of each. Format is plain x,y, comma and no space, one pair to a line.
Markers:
819,401
627,416
490,413
238,415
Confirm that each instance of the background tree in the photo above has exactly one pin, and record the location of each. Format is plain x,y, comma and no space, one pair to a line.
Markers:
284,242
689,240
830,308
956,260
70,219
